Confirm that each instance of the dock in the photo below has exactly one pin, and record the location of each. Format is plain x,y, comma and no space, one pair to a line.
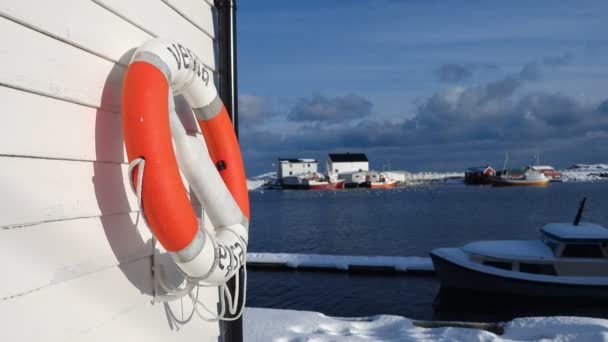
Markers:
340,263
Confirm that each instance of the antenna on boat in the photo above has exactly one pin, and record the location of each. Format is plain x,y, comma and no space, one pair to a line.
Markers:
579,213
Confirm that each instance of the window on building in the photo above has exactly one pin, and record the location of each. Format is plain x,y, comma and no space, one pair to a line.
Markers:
582,250
308,165
290,173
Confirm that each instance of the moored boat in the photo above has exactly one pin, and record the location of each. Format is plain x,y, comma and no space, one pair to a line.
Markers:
387,184
549,172
530,177
379,180
570,260
325,185
312,182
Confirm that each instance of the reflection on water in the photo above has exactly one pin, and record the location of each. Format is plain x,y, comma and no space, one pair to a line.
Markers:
406,222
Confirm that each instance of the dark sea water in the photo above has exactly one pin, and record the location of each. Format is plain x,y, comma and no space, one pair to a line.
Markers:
406,222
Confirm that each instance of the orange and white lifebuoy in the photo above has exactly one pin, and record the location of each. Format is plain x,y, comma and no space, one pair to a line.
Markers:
213,168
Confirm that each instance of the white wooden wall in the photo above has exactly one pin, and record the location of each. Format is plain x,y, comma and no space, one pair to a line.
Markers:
345,167
74,263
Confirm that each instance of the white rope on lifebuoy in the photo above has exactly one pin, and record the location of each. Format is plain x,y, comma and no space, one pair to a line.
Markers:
202,259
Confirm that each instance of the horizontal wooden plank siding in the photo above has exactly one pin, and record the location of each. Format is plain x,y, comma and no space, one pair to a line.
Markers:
159,19
50,17
44,190
77,260
120,298
63,250
41,126
38,63
198,12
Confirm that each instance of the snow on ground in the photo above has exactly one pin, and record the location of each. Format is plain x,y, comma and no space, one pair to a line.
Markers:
585,173
433,176
589,167
255,184
262,325
341,262
259,181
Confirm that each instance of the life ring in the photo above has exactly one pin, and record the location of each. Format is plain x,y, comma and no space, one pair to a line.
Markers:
213,168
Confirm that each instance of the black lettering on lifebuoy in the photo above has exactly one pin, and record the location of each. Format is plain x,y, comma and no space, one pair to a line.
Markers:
195,64
236,260
176,55
230,256
223,255
205,76
185,56
241,253
195,61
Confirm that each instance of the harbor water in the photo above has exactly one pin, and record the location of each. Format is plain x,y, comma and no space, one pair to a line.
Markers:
407,222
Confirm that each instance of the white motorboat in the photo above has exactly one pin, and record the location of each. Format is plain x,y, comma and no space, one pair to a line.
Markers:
569,260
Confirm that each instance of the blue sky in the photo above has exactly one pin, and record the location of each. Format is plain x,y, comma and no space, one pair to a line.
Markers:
423,85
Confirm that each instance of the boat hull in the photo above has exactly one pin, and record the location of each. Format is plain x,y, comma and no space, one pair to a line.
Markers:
327,185
518,182
386,185
315,186
455,276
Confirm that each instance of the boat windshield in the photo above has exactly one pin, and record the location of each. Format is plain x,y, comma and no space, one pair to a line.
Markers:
554,245
583,250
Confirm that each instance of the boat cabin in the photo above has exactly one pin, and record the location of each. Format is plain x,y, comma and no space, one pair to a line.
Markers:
587,240
564,249
547,170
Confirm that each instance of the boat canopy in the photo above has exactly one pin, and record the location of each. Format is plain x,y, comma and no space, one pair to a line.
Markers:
584,232
520,250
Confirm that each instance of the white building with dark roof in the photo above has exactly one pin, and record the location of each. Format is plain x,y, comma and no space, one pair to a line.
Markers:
294,167
342,163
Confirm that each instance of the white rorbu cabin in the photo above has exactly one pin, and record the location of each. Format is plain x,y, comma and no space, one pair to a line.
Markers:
295,167
340,163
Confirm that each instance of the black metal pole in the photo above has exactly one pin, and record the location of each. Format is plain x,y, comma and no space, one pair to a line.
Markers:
233,330
227,58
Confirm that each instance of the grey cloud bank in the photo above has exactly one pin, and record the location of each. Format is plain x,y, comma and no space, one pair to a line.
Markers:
453,128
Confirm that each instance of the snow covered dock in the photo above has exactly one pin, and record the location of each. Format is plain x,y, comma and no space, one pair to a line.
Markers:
321,262
294,326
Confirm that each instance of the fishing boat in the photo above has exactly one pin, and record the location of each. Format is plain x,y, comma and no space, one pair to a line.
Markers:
530,177
379,180
549,172
569,260
383,184
326,185
312,181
